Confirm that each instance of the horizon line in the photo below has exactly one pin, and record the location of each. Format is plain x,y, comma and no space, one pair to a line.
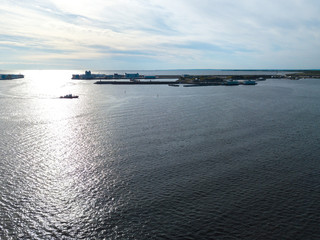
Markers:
174,69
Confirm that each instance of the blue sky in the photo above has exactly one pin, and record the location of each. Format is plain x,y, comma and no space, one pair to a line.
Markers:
159,34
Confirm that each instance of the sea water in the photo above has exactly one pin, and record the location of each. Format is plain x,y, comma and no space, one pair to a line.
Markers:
158,162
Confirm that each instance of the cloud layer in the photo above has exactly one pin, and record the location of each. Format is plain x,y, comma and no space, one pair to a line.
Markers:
159,34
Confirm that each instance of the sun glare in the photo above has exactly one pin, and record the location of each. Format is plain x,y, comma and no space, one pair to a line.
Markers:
48,83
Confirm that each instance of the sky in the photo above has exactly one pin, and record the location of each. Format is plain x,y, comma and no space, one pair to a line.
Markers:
159,34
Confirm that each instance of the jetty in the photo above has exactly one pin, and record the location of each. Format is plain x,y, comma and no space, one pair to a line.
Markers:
135,82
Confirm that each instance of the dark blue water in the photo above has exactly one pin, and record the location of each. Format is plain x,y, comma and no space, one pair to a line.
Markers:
157,162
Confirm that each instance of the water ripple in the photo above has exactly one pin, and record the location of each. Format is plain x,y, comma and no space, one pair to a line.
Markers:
159,163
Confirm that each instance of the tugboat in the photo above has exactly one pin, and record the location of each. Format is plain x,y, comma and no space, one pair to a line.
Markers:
69,96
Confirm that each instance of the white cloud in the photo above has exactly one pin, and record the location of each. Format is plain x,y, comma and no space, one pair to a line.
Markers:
170,31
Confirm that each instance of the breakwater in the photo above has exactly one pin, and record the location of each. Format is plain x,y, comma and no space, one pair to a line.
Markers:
178,83
135,82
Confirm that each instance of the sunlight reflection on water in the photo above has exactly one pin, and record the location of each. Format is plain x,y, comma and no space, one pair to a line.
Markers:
58,161
61,174
48,83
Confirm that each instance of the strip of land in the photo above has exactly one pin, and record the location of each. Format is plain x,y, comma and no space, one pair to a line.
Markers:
10,76
192,80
